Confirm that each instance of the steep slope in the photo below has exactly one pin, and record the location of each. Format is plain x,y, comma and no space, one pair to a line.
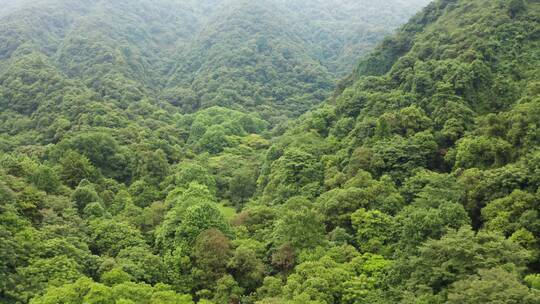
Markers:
250,56
126,40
347,30
435,132
278,58
125,52
108,189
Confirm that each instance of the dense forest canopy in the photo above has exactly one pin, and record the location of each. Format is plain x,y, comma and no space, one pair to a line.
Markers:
203,151
277,58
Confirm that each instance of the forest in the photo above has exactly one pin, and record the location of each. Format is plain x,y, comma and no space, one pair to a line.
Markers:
269,151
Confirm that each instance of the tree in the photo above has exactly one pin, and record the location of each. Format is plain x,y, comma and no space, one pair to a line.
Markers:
41,273
369,270
74,168
144,193
494,285
513,212
211,254
227,291
46,179
247,268
413,120
115,276
153,166
192,194
337,205
94,210
99,147
399,156
284,258
141,265
214,140
533,280
362,191
373,230
109,237
319,281
460,254
430,189
296,172
199,218
85,291
242,185
414,225
258,220
482,152
190,172
301,229
515,7
181,200
84,195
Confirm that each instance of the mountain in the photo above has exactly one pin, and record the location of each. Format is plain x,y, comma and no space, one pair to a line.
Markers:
164,151
118,116
278,58
188,54
426,159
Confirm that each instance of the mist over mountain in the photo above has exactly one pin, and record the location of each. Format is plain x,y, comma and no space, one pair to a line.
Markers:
193,54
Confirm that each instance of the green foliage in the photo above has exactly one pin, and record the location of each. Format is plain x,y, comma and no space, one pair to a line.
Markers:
533,280
296,172
492,286
199,218
46,179
242,185
373,230
115,276
482,152
338,279
460,254
338,204
145,143
415,225
211,251
298,226
144,193
84,195
517,211
141,265
153,166
432,132
109,237
227,291
41,273
265,42
101,149
247,268
85,290
516,7
74,168
193,173
188,219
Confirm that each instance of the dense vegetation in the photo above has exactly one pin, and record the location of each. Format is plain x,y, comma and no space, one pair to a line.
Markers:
427,161
256,56
146,160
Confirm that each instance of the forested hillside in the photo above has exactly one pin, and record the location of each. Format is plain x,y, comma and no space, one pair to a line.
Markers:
418,182
279,58
160,152
274,57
